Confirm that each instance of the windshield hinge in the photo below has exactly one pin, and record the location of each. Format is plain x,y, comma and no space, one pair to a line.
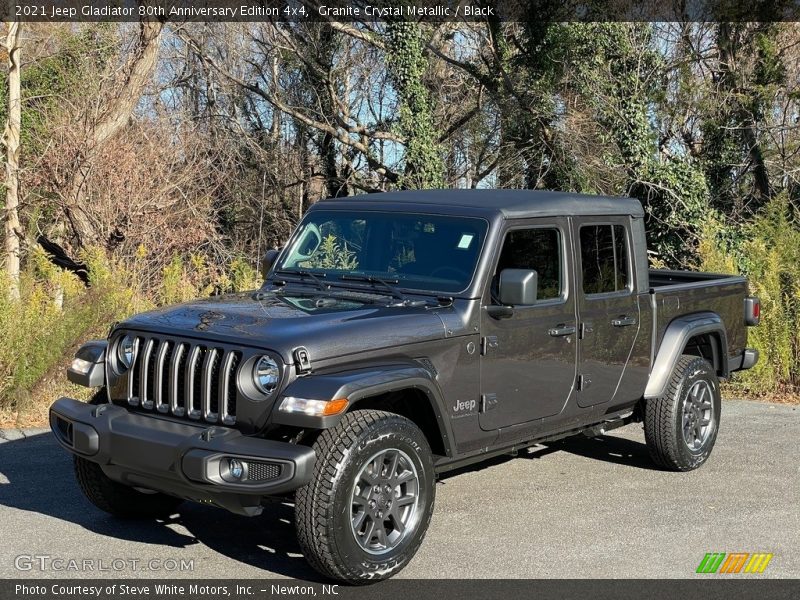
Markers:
302,360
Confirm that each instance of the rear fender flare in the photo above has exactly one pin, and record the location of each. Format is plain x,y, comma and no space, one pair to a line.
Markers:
677,335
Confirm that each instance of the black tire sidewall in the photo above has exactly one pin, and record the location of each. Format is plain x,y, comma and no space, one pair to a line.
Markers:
697,370
391,433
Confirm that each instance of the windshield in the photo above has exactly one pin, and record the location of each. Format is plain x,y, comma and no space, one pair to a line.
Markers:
415,251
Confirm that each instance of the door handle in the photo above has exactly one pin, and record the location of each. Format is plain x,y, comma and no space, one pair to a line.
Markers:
623,321
562,330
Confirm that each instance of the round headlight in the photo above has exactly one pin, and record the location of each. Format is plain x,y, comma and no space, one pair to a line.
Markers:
266,375
125,351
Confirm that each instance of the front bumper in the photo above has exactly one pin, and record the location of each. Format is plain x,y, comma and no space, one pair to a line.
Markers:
182,459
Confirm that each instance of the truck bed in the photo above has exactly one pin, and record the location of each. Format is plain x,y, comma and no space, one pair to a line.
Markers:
678,293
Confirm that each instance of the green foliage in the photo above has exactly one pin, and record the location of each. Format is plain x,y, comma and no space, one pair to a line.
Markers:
768,253
332,255
37,333
616,68
407,65
57,312
51,82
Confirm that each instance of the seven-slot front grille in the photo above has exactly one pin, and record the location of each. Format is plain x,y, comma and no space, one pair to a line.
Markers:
184,379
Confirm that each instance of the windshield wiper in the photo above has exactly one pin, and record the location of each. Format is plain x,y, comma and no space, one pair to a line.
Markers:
386,283
315,277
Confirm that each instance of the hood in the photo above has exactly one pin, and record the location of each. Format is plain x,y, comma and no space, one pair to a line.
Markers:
327,327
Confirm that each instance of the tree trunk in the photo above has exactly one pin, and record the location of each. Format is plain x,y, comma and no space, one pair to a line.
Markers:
117,112
12,132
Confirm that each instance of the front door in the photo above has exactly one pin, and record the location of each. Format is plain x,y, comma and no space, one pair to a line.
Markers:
608,308
528,361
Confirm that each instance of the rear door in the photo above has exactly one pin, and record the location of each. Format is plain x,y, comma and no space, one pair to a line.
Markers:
608,308
528,360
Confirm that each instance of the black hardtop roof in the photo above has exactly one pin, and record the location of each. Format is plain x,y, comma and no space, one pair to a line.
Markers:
512,204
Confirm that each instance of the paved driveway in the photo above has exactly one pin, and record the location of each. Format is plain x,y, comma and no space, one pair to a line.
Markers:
577,508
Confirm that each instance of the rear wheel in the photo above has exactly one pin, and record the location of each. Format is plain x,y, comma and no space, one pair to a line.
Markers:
681,426
365,513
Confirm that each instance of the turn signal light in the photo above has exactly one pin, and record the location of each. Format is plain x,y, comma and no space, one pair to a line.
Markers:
315,408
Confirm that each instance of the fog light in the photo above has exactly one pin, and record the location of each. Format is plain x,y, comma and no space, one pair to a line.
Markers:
235,468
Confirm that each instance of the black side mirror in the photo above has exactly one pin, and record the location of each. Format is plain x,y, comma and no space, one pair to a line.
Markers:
518,286
268,261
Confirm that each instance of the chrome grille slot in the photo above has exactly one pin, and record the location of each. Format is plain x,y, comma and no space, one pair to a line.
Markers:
207,381
146,372
184,379
160,380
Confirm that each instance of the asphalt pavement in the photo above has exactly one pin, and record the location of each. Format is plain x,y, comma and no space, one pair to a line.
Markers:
579,508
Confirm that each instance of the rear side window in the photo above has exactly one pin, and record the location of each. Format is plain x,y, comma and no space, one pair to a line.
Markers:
604,259
538,249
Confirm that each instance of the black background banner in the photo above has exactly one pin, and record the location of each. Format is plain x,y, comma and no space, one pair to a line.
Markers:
383,10
707,587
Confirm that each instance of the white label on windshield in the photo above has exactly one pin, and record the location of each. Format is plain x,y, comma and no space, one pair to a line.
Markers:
466,240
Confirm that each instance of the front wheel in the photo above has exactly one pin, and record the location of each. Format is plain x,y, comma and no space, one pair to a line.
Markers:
365,512
681,426
118,499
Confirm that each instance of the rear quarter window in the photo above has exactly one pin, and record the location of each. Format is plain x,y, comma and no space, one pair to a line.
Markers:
604,259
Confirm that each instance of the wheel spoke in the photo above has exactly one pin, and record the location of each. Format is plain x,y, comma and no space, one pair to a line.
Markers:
377,466
358,520
359,499
393,465
404,501
398,523
404,476
369,532
705,422
701,394
380,534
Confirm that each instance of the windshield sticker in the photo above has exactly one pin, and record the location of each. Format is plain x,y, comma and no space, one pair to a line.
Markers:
466,241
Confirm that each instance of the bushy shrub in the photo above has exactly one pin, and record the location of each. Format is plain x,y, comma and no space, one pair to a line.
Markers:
57,312
767,252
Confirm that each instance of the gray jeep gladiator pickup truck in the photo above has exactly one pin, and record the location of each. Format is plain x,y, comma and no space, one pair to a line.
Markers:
397,336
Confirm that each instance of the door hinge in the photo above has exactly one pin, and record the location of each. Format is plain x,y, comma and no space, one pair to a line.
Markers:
488,343
488,402
583,382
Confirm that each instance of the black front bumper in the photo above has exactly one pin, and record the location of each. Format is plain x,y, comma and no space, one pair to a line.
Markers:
182,459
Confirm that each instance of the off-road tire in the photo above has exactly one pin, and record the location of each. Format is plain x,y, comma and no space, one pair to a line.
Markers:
323,507
116,498
663,419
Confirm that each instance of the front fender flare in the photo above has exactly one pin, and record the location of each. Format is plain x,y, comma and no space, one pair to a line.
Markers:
677,335
359,384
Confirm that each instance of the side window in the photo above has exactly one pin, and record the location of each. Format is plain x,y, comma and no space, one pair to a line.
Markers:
604,258
538,249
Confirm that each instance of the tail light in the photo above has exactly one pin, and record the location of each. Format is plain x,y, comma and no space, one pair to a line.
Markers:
752,310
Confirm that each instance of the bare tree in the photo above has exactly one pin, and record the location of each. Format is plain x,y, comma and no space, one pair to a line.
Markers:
11,139
115,113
